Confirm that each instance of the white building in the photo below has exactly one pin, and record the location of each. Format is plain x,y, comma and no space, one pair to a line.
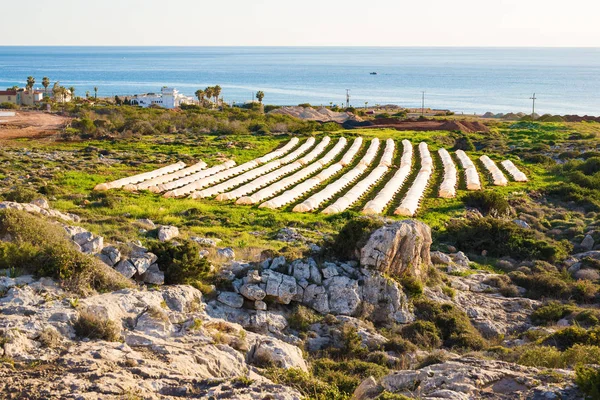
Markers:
167,98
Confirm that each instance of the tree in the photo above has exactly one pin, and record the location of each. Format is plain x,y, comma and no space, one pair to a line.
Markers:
260,95
209,91
72,91
118,100
95,92
45,84
87,94
30,82
217,93
56,89
200,95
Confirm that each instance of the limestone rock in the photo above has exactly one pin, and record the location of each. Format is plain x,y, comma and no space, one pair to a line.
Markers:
439,258
587,243
273,351
231,299
126,268
400,248
166,233
343,293
252,292
153,275
281,287
226,252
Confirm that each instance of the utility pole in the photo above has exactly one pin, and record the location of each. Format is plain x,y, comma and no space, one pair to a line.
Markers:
533,98
422,104
347,98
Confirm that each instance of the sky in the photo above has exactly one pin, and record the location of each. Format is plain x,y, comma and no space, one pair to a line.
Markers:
301,23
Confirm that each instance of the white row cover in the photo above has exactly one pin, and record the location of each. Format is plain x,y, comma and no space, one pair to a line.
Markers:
167,178
271,177
410,203
365,184
497,176
279,152
352,151
291,180
387,158
314,201
394,185
228,173
448,186
263,169
471,175
192,178
140,177
514,171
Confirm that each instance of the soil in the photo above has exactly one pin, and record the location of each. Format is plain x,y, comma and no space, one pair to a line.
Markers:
31,124
433,125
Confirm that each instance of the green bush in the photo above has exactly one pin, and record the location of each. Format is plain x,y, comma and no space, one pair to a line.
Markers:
9,106
399,345
308,385
552,284
551,313
301,318
588,380
501,238
423,333
354,235
181,263
22,194
42,248
488,202
587,318
412,285
568,337
348,374
453,325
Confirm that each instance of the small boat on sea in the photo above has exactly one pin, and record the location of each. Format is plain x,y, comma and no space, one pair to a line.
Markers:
373,73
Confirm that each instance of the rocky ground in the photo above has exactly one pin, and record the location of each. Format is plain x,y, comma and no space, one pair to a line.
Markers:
170,341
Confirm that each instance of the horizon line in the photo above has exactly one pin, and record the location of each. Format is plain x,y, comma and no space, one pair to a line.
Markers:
309,46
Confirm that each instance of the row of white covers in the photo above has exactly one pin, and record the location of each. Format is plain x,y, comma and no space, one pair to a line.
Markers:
365,184
393,186
256,172
448,186
228,173
293,179
410,203
471,175
497,176
330,190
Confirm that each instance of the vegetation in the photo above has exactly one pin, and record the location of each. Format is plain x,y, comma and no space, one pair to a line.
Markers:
92,326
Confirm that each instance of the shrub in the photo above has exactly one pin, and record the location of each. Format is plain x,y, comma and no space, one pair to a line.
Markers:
573,335
587,318
181,263
488,202
502,238
551,313
412,285
541,357
310,387
91,326
301,318
399,345
464,143
354,235
588,380
346,375
42,248
453,325
423,333
22,194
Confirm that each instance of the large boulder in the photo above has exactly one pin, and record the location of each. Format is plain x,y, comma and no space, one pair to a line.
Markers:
400,248
271,351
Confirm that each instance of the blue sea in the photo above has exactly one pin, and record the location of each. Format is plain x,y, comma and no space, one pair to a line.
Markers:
465,80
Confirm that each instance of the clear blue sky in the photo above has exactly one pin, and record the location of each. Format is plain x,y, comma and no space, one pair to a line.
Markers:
301,23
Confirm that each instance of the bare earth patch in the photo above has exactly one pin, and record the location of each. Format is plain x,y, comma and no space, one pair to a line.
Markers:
28,124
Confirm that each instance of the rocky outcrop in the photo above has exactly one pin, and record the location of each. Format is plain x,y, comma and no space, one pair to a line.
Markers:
330,288
470,378
398,249
169,347
490,312
39,207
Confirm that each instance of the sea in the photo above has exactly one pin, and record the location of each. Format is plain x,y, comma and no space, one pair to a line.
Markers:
464,80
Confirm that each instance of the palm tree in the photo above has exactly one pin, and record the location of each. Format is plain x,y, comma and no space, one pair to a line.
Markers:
200,95
45,84
209,92
217,93
87,94
30,82
260,95
72,90
95,92
56,89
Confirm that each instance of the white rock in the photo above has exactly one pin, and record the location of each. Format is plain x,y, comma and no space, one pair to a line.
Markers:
166,233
